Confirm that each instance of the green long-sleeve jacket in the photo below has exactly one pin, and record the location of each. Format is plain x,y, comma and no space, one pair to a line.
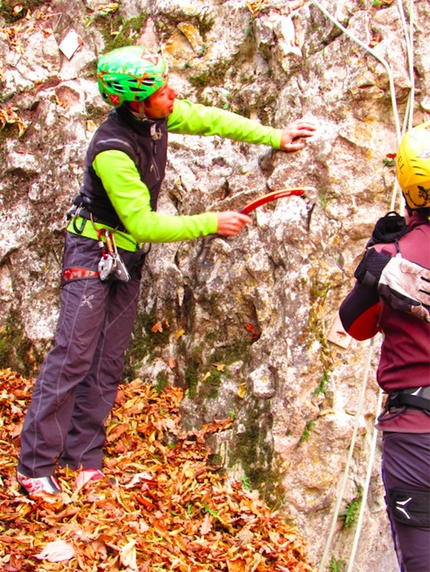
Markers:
130,196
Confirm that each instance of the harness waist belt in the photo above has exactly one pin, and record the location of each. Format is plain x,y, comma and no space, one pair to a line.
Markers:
418,398
83,212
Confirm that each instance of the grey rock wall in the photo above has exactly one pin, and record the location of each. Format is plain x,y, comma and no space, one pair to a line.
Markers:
249,337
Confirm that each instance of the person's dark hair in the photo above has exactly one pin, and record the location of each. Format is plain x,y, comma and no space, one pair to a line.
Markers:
424,213
145,101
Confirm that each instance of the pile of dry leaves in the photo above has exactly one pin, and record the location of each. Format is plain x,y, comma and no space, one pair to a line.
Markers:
161,506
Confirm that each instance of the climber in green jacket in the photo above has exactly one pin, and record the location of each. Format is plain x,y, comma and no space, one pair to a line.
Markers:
113,215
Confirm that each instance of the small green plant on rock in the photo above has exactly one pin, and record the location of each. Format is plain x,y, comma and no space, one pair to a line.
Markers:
306,435
321,388
246,483
325,198
352,509
336,565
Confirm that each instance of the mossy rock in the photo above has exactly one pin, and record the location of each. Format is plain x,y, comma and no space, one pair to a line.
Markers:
16,351
13,10
117,32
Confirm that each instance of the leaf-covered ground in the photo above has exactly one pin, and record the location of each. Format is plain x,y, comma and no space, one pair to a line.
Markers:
160,507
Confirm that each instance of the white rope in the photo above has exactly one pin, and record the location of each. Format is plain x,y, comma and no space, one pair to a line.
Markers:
409,39
348,462
409,113
408,122
366,487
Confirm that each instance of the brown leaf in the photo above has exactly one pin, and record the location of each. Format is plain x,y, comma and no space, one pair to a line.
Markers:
115,432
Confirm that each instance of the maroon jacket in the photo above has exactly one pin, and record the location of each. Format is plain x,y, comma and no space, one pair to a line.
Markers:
405,351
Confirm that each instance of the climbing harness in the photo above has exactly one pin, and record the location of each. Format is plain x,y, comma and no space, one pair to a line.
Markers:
308,193
81,209
77,273
110,266
397,402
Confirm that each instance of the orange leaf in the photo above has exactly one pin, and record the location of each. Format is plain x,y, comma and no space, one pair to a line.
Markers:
255,333
157,327
145,502
237,565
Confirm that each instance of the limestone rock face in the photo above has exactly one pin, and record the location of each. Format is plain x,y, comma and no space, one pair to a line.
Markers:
250,336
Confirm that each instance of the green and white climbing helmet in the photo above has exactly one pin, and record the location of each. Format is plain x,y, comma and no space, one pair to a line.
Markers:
131,73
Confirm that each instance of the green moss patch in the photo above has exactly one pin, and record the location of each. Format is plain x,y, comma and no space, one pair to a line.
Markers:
16,351
116,31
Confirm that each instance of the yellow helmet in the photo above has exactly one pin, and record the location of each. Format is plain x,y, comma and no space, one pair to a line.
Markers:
413,166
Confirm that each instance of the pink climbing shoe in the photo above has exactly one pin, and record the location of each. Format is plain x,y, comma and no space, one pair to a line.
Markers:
38,486
87,475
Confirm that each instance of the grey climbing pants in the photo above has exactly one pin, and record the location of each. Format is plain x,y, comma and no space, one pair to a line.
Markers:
406,475
77,385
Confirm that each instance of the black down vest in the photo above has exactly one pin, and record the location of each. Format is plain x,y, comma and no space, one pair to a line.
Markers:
145,142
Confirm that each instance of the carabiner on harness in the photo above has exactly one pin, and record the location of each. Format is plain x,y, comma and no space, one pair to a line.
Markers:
111,264
80,229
